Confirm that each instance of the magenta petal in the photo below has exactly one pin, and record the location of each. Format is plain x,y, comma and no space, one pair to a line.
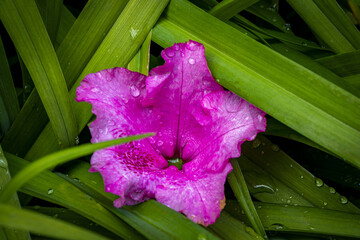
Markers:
193,118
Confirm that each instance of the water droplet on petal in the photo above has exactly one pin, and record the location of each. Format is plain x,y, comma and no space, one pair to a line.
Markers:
177,47
192,46
159,143
134,91
50,191
233,103
319,182
170,52
94,90
192,61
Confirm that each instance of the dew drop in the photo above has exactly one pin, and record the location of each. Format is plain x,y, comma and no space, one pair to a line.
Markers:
159,143
288,201
94,90
343,200
332,190
277,226
77,140
76,180
304,43
133,32
134,91
218,80
232,104
170,52
302,177
325,203
177,47
3,164
192,46
319,182
291,165
192,61
274,20
275,148
50,191
202,237
256,143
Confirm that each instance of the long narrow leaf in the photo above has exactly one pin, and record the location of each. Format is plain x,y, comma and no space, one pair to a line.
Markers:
26,28
7,88
50,187
277,217
238,185
282,167
44,225
57,158
74,53
280,87
229,8
4,180
322,25
117,49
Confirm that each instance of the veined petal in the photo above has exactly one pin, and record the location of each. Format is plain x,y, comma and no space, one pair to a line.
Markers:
193,118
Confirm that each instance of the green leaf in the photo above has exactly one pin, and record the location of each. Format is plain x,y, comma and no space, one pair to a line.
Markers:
238,185
74,218
280,166
229,8
10,234
228,227
340,20
23,22
74,53
151,218
117,49
280,87
51,12
277,217
322,26
52,188
60,157
344,64
140,62
37,223
7,88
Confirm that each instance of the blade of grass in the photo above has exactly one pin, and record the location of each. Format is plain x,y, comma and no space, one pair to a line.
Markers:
276,128
10,234
345,64
23,22
268,12
84,37
150,218
322,26
341,21
277,217
229,8
66,22
58,158
288,93
228,227
51,12
140,62
238,185
44,225
266,187
7,88
73,218
4,118
52,188
117,49
284,168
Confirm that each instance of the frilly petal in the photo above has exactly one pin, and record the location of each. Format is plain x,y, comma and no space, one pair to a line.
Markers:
193,118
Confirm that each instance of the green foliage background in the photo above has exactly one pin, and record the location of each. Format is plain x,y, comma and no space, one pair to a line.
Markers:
299,61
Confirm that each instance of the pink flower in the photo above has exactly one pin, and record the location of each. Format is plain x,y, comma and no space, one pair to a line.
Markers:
194,119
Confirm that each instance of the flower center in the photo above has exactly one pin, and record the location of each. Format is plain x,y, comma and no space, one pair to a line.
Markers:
177,162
